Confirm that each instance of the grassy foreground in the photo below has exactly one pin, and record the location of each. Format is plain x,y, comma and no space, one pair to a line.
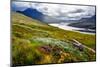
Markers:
34,42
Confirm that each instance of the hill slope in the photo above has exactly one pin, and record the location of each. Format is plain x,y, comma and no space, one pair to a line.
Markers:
34,42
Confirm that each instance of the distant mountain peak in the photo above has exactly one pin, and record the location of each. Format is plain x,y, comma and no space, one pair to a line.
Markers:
33,13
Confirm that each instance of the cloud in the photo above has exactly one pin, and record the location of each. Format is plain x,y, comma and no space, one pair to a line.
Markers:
48,9
59,11
20,5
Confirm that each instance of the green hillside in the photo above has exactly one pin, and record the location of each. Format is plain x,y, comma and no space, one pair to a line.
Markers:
34,42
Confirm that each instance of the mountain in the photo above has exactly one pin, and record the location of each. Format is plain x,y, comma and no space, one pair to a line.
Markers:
88,23
89,20
33,13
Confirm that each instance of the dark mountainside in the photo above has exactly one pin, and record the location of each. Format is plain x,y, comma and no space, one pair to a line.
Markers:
88,23
33,13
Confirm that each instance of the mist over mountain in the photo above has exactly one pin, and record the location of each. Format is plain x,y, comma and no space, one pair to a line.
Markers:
33,13
89,23
89,20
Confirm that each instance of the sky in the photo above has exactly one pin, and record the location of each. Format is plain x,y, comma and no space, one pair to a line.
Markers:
59,11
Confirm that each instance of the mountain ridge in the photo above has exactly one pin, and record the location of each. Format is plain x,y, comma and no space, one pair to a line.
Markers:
88,23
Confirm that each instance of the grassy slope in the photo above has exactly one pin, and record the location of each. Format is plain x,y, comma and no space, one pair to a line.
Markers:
34,42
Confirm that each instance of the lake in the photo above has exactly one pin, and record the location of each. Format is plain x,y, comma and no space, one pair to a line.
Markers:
66,27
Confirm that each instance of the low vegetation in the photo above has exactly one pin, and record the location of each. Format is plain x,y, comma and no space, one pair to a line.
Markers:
34,42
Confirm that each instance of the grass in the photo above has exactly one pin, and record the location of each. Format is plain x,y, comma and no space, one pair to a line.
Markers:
34,42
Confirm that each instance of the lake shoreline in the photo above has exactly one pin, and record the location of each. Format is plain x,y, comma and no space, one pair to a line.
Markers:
75,29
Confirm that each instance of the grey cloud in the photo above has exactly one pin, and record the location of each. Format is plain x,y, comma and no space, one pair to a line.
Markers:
77,11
